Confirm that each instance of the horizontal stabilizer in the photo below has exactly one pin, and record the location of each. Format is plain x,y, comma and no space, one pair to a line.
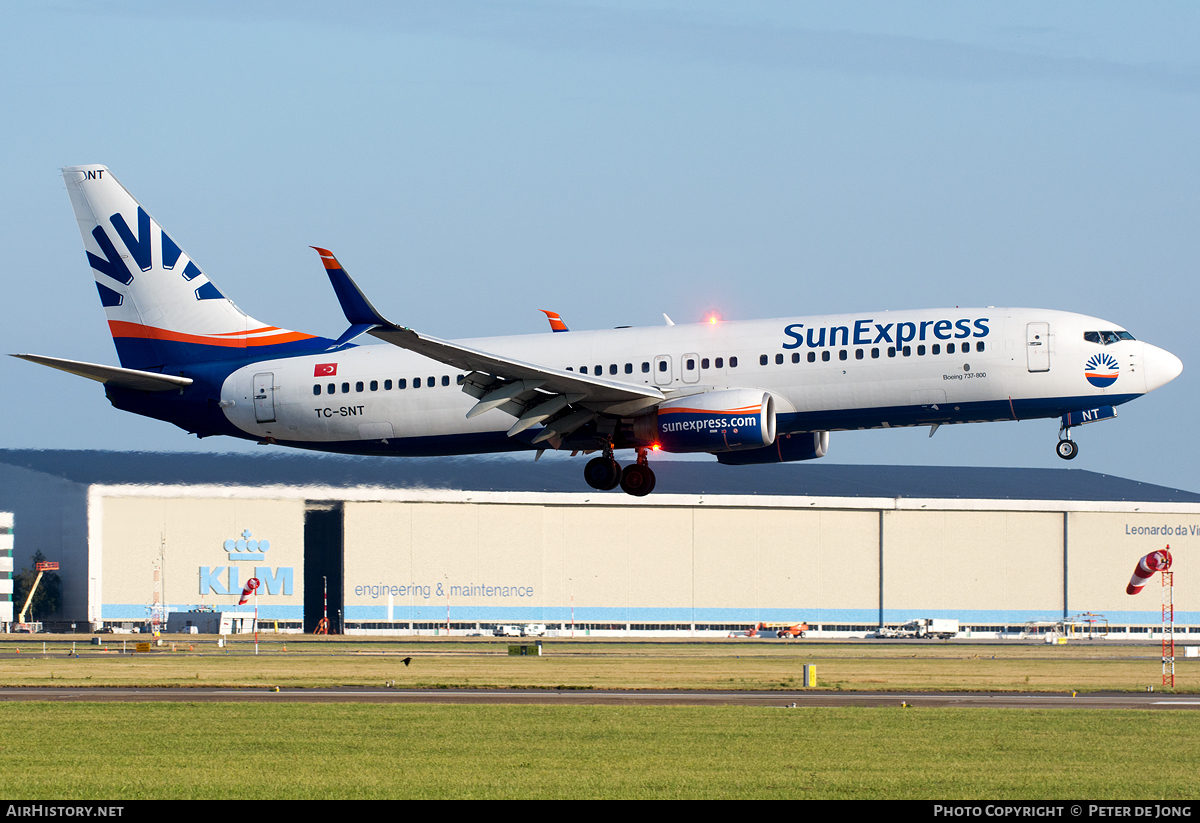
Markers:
112,375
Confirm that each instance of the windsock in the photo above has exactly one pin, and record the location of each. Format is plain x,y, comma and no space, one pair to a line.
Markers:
1146,567
252,586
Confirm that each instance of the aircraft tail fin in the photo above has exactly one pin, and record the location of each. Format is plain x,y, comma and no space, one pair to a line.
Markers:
162,309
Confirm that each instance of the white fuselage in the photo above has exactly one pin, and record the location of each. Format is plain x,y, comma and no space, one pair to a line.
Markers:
961,365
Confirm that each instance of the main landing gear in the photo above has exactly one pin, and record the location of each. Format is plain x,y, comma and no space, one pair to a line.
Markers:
1066,448
605,473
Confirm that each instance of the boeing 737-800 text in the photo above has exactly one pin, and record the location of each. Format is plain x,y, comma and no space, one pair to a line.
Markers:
759,391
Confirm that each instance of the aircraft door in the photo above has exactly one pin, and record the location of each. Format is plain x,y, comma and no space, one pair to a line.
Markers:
662,369
1037,346
264,397
689,364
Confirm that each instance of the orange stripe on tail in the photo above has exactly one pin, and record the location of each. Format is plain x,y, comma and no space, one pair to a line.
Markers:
327,258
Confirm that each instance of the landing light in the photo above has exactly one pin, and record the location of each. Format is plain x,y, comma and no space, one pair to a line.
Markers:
655,446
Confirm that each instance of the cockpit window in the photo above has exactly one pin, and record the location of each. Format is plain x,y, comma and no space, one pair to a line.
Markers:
1106,338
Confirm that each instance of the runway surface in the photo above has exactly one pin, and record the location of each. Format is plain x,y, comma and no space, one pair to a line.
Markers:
598,697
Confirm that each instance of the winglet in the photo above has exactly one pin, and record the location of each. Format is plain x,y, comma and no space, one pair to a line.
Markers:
556,322
355,305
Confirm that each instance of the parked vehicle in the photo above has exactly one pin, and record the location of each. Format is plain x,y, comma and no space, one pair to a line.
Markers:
926,627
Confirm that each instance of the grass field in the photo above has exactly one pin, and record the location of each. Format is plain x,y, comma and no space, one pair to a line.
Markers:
128,751
238,750
449,663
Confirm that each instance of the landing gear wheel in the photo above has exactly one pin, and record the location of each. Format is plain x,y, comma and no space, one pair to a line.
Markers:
1067,449
602,473
637,480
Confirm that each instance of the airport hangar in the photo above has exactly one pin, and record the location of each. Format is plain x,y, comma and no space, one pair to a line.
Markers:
406,546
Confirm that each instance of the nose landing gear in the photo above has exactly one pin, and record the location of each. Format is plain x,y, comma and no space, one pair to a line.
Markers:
1066,448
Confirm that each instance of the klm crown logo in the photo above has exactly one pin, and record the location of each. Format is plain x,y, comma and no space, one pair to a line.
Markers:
247,549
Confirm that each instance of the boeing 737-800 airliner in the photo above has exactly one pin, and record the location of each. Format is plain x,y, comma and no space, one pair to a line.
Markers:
759,391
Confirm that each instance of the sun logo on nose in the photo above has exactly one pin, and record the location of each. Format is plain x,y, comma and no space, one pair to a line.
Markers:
1101,370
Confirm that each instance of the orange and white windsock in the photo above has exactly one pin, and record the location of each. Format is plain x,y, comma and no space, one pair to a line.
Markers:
1154,562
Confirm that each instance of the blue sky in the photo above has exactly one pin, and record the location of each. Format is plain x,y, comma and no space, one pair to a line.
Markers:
473,162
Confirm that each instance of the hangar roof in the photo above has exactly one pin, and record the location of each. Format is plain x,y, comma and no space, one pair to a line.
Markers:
509,474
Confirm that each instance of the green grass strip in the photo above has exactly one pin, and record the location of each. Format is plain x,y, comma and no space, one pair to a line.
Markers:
194,750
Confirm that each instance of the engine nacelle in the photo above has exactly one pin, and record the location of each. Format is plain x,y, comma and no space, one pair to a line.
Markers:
786,448
716,421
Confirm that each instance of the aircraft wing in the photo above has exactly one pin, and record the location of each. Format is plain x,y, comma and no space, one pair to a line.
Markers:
594,389
112,375
561,400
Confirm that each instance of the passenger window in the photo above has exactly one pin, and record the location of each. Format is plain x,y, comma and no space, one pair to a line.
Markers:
891,351
662,365
935,349
460,379
778,359
762,360
720,362
431,382
317,388
825,356
691,364
704,362
345,388
842,354
733,362
629,368
907,351
795,357
358,386
812,357
570,368
645,368
612,368
599,370
949,348
979,346
921,350
387,385
402,383
445,380
858,354
583,370
331,388
874,354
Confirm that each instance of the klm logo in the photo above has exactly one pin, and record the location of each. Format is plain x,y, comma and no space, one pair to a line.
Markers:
227,579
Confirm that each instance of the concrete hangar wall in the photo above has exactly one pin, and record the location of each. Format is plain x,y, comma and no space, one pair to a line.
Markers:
403,560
